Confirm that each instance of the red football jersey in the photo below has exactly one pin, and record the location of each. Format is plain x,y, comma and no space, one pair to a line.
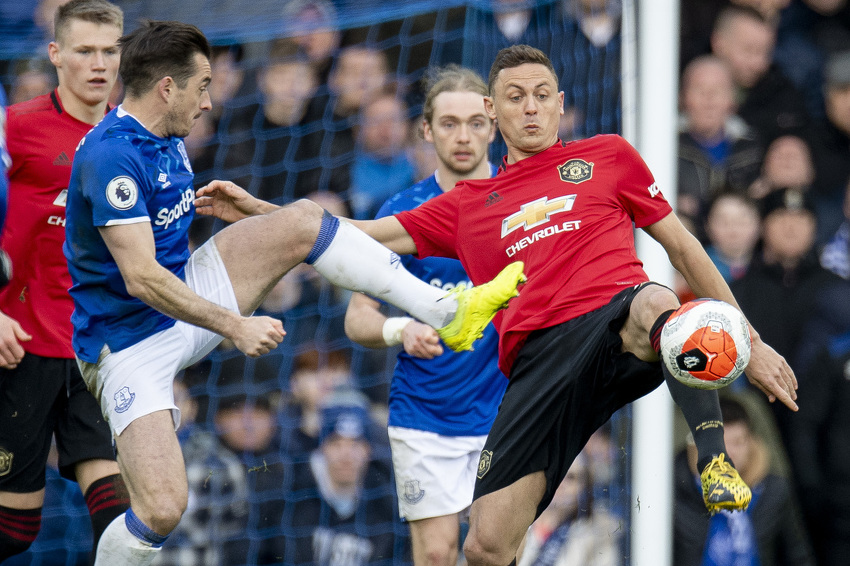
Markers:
568,212
42,138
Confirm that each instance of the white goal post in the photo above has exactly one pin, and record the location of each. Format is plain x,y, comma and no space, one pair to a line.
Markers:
649,89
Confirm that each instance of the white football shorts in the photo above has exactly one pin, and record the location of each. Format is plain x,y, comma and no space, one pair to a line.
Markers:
138,380
434,474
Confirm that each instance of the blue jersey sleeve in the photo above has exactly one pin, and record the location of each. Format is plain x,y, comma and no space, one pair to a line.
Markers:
116,184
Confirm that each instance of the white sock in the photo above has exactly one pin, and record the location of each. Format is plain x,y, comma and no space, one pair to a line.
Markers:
118,546
348,258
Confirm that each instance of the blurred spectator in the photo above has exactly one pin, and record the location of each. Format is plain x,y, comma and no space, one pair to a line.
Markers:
809,32
218,493
831,146
381,166
733,227
769,533
44,14
336,507
267,147
697,18
313,25
33,77
586,38
359,74
779,291
787,164
717,150
835,255
502,23
5,160
228,76
315,376
573,530
818,439
768,100
247,426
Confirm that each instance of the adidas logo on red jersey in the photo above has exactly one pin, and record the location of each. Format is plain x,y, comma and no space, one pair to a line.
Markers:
492,198
63,159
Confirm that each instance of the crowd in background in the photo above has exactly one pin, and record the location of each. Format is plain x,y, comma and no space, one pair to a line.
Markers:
288,452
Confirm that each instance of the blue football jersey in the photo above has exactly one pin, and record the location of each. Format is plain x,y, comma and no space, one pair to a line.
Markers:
454,394
123,174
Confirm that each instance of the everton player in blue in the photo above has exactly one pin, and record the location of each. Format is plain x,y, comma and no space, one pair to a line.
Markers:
442,403
144,307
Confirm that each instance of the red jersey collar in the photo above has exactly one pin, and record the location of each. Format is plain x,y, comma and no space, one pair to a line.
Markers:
504,166
60,109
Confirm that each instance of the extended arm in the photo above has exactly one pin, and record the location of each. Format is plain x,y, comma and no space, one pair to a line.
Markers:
767,370
132,246
366,324
230,202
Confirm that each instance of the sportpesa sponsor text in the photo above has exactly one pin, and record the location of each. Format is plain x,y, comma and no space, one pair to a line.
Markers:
165,217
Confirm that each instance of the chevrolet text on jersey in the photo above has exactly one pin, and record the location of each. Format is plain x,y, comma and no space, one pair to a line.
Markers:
568,226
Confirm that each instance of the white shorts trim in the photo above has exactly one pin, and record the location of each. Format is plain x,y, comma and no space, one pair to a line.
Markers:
434,474
138,380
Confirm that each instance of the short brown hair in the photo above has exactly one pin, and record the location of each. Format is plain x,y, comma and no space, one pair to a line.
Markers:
451,78
95,11
517,55
160,49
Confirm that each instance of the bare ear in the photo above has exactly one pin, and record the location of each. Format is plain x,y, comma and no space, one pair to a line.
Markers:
426,132
489,108
53,53
561,102
165,88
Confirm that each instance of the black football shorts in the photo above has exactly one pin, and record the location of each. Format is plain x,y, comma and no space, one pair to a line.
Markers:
40,397
566,382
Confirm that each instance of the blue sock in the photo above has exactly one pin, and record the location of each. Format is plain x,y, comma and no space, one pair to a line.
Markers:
141,531
327,232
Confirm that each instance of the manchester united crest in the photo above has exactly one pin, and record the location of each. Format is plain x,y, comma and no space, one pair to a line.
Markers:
5,461
484,463
575,171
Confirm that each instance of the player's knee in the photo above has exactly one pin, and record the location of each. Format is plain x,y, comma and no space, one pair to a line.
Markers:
480,552
296,226
166,513
657,299
439,552
302,211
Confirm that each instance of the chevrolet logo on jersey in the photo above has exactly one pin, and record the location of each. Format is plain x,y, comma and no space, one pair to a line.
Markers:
536,212
575,171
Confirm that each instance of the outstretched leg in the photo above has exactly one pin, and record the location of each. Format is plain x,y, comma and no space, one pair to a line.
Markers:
722,486
259,250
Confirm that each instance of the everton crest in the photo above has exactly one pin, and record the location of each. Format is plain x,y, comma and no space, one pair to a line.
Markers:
413,492
575,171
123,399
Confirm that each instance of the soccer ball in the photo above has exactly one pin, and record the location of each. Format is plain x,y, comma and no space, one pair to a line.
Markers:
706,344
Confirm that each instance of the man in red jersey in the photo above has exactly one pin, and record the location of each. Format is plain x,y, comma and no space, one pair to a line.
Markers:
41,390
581,340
